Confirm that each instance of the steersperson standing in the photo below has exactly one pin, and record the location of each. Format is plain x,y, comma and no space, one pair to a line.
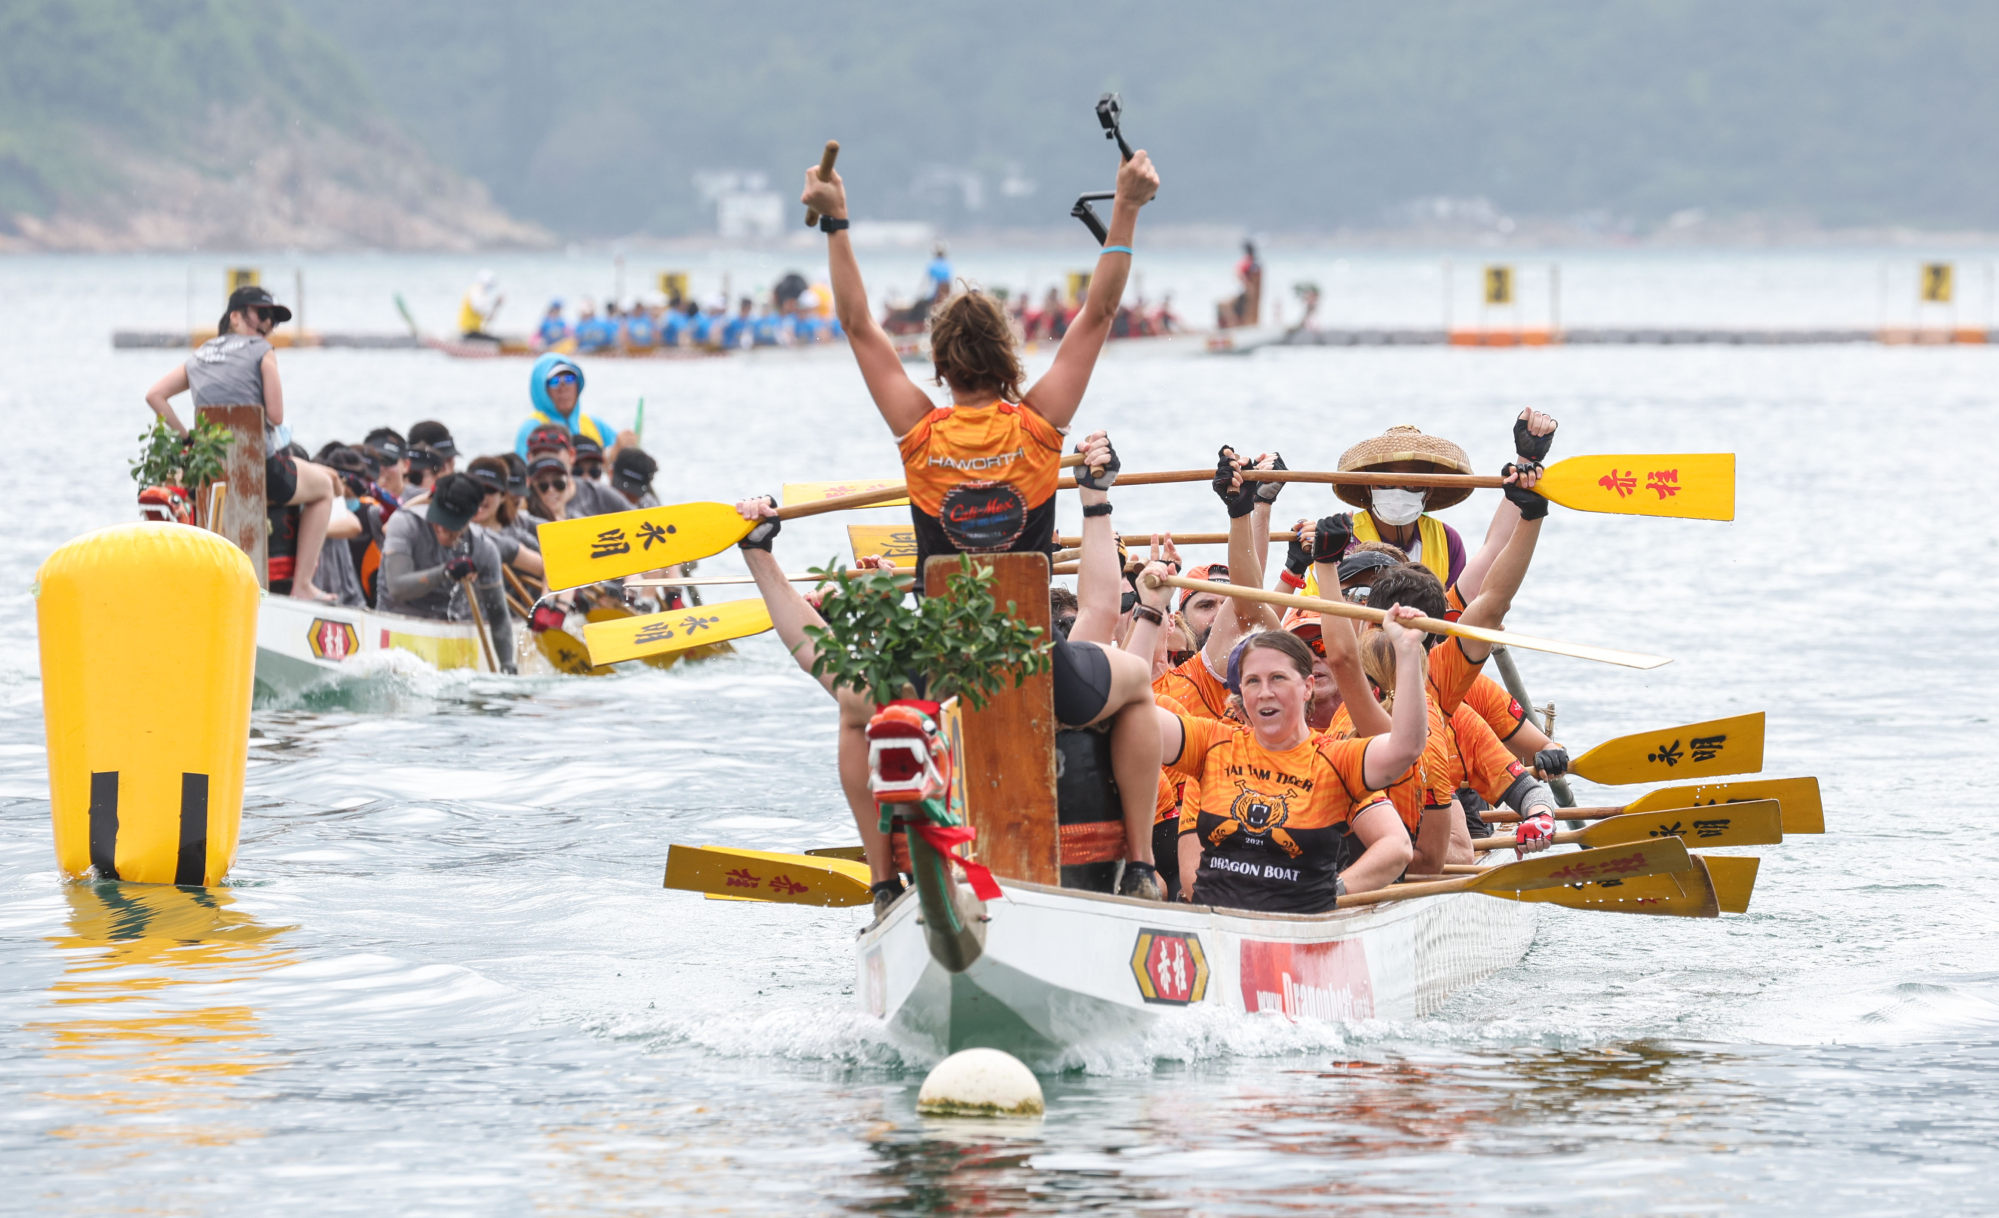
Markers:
238,368
982,471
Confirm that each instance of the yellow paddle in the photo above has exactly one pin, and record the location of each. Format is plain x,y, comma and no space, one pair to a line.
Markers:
1689,894
1734,879
618,613
562,650
819,492
676,630
1686,486
1658,856
589,549
761,875
1581,651
1692,750
895,542
1797,797
1756,823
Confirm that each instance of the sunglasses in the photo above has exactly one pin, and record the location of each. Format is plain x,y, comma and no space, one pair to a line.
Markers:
561,378
264,314
1357,595
545,485
589,469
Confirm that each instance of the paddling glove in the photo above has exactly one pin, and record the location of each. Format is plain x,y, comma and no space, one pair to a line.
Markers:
1095,481
1530,446
459,569
1534,833
1331,537
1240,502
1532,506
1266,492
1552,762
1297,558
760,537
546,617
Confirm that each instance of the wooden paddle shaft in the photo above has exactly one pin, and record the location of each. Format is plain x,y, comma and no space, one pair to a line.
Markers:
826,160
1513,818
1354,478
479,622
859,499
1179,539
1407,892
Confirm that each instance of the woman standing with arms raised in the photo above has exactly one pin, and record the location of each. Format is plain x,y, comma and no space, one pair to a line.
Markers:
982,470
238,368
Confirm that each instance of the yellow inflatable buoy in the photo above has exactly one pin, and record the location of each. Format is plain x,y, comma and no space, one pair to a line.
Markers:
149,648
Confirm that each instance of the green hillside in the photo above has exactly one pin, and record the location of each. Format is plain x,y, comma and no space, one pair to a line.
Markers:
1299,114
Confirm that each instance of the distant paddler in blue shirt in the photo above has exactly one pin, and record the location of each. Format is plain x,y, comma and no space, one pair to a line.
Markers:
553,328
556,387
938,272
475,312
640,334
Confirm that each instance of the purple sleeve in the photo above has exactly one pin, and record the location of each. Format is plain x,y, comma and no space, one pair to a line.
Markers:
1457,555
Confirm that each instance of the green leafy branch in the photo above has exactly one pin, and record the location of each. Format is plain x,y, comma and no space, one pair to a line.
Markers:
874,641
168,460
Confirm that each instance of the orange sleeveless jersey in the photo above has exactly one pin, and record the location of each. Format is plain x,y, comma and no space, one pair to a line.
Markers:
984,475
1423,785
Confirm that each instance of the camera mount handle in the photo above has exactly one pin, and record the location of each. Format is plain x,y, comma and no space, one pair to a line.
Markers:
1110,109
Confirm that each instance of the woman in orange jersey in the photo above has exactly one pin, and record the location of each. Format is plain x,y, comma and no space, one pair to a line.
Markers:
1283,818
981,470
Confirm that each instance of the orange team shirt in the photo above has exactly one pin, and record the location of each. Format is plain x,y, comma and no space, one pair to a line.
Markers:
1500,710
1423,785
1477,759
1273,826
1195,688
1166,805
982,479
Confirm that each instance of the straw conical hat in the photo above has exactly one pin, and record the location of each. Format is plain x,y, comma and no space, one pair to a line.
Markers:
1404,443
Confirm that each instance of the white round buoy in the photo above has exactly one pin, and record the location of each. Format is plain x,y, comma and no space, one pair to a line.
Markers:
980,1082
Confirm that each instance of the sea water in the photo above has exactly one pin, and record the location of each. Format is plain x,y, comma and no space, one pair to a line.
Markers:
443,976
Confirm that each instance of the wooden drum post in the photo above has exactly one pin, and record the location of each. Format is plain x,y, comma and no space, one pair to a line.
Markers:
245,518
1007,759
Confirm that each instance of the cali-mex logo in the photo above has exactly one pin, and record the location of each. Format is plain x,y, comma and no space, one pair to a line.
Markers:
983,515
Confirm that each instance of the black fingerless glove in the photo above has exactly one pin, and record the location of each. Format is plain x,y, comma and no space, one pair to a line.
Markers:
459,568
1552,762
1239,502
1297,556
1532,506
760,537
1530,446
1267,492
1331,537
1099,482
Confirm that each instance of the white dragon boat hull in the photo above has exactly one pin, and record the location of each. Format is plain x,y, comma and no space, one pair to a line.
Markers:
301,644
1060,969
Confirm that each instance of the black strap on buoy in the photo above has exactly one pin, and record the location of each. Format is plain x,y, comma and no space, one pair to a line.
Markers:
191,864
104,824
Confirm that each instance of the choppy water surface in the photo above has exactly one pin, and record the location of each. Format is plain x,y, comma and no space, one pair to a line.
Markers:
443,976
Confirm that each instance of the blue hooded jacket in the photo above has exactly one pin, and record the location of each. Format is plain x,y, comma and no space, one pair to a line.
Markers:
545,413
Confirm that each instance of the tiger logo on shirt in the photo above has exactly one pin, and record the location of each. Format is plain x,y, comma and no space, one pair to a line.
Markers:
1257,815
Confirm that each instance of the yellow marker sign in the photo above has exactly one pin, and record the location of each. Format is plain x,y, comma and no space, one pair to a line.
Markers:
1939,282
240,277
633,638
673,285
895,542
796,493
1079,286
1694,486
1499,285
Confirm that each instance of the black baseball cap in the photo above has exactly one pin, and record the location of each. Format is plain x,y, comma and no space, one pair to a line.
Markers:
424,457
588,449
455,501
389,443
1364,560
547,463
633,470
435,434
255,296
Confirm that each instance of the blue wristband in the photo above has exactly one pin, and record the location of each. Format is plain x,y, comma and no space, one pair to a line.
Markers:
1116,249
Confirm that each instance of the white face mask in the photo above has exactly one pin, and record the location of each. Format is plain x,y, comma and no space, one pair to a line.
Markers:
1393,505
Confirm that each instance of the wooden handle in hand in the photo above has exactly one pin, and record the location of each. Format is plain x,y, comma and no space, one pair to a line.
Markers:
825,172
